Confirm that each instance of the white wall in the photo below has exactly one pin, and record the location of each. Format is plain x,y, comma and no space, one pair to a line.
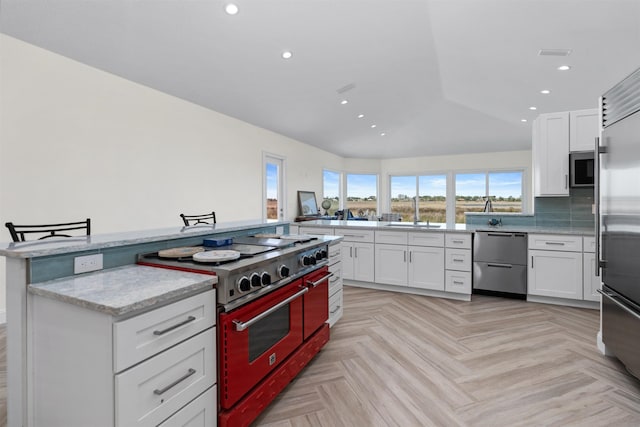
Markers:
76,142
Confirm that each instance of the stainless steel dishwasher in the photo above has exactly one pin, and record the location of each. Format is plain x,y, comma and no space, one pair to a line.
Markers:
500,262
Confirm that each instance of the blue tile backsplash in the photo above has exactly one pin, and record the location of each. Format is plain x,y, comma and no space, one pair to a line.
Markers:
572,211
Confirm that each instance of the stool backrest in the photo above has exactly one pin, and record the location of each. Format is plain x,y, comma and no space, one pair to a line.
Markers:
209,218
19,232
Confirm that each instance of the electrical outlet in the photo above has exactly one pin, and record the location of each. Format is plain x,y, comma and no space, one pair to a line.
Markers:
83,264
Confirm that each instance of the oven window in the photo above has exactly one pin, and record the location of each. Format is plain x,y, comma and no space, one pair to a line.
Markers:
265,333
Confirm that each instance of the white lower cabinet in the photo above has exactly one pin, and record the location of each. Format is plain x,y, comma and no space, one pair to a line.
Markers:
391,264
555,274
358,261
458,281
426,268
335,283
201,412
93,369
150,392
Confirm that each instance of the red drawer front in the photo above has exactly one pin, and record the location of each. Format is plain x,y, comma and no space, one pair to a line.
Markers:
316,301
252,405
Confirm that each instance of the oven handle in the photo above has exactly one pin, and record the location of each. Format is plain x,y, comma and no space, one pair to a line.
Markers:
241,326
317,282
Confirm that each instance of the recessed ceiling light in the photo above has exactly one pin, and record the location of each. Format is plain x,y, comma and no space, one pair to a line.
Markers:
382,134
373,126
533,108
287,54
231,9
344,101
545,91
523,120
564,68
360,116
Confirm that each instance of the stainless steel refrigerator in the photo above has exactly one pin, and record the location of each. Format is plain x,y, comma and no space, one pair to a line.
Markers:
618,220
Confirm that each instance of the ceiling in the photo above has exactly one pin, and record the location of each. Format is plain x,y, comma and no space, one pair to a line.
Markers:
435,76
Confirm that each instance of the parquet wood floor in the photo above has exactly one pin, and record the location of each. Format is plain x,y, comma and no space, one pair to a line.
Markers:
403,360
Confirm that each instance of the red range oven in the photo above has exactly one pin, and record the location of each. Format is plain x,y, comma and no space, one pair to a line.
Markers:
265,343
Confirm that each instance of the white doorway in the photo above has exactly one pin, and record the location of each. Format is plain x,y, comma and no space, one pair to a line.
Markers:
273,193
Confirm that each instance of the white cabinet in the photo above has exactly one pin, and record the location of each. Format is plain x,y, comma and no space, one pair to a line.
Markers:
458,261
583,129
550,152
357,254
335,283
93,369
555,266
591,282
426,267
391,264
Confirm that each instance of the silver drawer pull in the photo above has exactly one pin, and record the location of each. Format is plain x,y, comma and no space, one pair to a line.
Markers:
457,282
177,325
458,260
458,241
241,326
317,282
160,391
336,310
554,243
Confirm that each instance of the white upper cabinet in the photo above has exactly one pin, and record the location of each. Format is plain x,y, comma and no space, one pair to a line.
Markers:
583,129
551,154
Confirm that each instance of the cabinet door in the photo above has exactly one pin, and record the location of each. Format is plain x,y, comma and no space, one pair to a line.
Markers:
346,253
426,268
555,274
391,264
551,155
199,413
363,262
583,129
591,282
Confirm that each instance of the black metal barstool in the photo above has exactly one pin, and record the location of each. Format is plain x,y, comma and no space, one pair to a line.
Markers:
18,232
209,218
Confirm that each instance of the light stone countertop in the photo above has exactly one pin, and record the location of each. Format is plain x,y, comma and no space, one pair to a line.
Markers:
459,228
62,245
124,290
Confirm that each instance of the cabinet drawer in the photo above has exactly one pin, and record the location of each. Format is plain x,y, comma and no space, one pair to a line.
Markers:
335,281
355,235
589,244
140,337
457,281
552,242
458,259
391,237
426,239
458,240
150,392
335,308
335,252
316,230
199,413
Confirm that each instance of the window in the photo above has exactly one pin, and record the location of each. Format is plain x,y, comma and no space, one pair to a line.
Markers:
403,190
362,194
503,188
331,189
432,198
273,187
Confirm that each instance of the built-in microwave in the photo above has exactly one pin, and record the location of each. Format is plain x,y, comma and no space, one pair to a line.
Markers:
581,168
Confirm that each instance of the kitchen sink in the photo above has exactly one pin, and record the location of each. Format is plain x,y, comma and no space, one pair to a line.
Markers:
413,225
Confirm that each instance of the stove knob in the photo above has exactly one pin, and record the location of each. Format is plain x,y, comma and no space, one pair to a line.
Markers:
324,253
319,255
283,271
255,280
307,260
304,261
243,284
265,278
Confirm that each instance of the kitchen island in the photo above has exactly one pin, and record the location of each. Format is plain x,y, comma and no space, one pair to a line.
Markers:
37,262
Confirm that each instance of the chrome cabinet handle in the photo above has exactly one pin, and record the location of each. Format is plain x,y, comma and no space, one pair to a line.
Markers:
241,326
566,181
160,391
317,282
500,265
457,241
596,200
177,325
405,256
554,243
457,282
531,261
336,310
458,260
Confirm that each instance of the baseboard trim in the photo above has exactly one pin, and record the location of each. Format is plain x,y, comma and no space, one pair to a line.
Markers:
3,317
